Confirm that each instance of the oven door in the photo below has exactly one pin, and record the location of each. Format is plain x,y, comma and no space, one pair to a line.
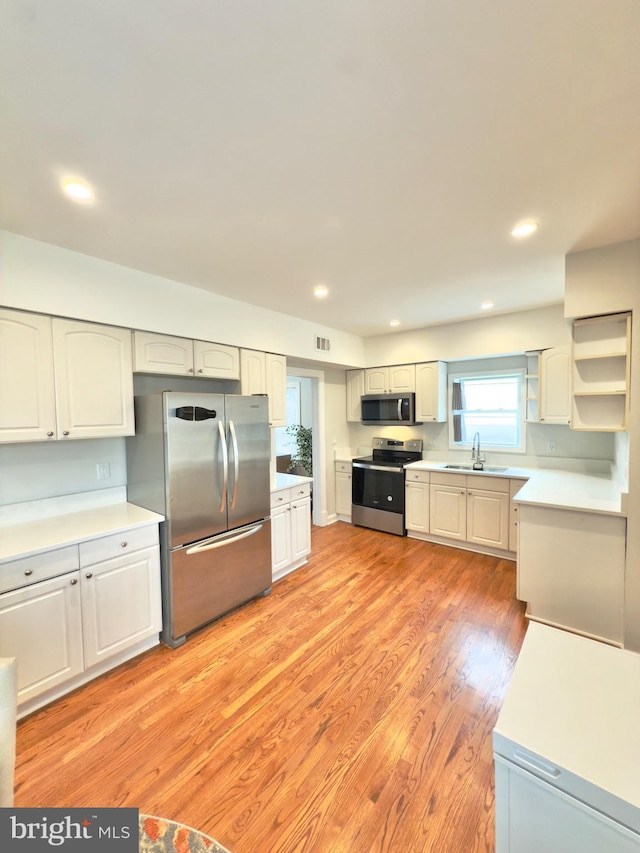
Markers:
377,487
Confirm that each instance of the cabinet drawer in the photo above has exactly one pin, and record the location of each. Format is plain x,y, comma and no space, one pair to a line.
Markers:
417,476
343,467
108,547
29,570
299,492
281,497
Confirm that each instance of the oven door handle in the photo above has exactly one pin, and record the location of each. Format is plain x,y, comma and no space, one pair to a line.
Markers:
368,467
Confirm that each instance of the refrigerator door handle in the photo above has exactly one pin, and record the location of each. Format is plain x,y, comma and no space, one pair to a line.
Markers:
236,463
225,466
198,549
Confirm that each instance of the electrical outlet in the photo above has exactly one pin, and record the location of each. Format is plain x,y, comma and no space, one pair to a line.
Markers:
551,447
103,471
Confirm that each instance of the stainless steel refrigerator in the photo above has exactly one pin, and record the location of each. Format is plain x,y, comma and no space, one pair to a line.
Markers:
202,460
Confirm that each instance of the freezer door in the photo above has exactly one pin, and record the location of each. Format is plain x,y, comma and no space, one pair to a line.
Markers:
214,576
249,449
197,469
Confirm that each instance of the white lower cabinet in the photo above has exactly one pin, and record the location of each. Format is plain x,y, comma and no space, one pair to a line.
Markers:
343,490
417,501
290,529
473,508
62,625
41,626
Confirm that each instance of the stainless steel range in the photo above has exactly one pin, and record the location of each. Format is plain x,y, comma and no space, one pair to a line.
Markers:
377,484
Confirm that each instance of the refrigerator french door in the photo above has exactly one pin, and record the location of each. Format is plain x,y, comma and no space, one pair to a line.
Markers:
202,460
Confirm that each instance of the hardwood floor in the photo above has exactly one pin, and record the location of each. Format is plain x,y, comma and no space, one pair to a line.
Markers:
350,711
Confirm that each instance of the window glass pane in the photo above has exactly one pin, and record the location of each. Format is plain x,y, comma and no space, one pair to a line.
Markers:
489,405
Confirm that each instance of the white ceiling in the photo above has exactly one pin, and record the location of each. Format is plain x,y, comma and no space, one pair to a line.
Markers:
384,147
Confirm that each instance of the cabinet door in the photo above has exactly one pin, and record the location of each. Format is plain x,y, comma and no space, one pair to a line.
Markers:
376,380
448,511
417,506
94,380
280,538
162,354
488,518
355,390
276,375
555,385
27,402
431,391
120,603
41,626
253,372
402,378
216,360
300,528
343,492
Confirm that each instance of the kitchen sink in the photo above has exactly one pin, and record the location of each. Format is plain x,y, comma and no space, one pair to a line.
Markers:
490,469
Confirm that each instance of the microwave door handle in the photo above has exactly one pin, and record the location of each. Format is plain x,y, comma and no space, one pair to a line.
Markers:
225,466
399,408
236,463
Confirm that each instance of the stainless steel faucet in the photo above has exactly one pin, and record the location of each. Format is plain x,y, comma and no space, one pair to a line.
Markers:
478,460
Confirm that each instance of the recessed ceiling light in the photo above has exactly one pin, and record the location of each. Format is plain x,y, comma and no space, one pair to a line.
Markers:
394,322
524,229
78,190
320,291
486,305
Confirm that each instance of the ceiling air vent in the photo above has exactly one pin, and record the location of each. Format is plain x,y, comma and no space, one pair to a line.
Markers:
323,344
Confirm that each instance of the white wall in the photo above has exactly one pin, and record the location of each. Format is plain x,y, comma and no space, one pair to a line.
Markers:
491,335
605,281
39,277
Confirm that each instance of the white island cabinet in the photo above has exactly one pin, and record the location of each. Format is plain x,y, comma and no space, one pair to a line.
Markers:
75,603
567,748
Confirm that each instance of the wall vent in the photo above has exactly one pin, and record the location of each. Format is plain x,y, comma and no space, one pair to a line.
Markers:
323,344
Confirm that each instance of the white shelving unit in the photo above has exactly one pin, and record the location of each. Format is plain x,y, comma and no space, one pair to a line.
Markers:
532,388
600,373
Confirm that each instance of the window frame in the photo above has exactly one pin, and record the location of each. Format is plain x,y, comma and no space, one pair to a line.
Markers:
520,372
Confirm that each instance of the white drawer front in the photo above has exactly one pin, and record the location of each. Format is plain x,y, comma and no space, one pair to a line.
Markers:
28,570
301,491
417,476
107,547
281,497
487,484
343,467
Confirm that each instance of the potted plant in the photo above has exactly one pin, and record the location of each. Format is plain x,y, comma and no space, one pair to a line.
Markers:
302,462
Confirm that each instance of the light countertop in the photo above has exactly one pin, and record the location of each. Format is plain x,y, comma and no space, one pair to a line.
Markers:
285,481
70,528
552,487
574,702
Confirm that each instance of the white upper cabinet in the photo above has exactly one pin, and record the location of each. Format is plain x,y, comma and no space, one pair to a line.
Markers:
431,391
555,385
183,357
355,390
395,379
27,396
276,373
266,373
94,380
215,361
63,379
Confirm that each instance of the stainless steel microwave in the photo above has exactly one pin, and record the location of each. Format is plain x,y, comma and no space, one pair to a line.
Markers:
388,409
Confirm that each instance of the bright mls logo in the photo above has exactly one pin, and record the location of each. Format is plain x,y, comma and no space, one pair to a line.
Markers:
69,830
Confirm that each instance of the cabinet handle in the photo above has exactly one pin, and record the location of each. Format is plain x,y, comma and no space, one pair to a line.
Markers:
65,432
462,492
190,370
28,572
50,433
123,544
201,370
89,575
73,581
